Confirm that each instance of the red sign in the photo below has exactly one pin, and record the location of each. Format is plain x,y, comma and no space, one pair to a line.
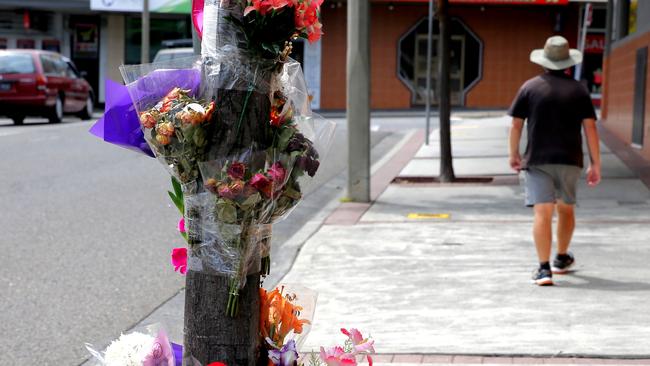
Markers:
595,43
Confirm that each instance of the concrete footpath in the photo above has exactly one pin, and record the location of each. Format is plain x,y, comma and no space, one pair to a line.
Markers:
440,273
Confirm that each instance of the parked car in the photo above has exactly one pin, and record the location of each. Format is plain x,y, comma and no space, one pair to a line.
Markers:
168,54
42,83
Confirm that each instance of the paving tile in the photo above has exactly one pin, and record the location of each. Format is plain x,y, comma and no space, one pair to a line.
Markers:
467,360
407,358
437,359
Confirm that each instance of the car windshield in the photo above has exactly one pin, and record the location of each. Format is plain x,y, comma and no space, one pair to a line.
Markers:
168,56
16,64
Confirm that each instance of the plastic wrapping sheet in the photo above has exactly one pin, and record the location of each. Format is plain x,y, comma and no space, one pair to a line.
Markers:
218,31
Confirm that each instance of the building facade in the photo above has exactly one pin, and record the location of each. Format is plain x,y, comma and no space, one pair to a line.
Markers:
490,45
626,91
98,35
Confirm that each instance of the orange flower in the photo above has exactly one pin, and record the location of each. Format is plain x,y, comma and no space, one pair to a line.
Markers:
279,316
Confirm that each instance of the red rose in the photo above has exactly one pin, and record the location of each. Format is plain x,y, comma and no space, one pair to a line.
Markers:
236,170
262,184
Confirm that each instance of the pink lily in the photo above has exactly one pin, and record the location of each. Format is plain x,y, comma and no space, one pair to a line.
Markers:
361,345
336,356
179,260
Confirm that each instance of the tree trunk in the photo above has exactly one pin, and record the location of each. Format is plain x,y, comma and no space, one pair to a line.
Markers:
444,93
211,335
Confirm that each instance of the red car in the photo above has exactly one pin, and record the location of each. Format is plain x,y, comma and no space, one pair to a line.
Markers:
42,83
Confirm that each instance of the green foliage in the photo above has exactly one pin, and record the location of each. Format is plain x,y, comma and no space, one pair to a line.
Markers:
177,196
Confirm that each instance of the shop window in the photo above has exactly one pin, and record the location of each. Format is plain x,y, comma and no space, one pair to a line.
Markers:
51,45
465,65
631,25
25,43
161,29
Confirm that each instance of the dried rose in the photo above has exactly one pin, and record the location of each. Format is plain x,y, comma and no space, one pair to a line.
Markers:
236,187
163,140
262,184
277,172
229,191
147,120
165,129
236,170
308,164
211,185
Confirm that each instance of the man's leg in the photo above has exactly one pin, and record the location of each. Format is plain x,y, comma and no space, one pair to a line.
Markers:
542,230
566,222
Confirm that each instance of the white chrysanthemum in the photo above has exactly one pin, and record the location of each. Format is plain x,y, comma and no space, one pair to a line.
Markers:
129,350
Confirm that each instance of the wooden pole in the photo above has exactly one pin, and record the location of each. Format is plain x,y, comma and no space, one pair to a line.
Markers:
444,94
211,335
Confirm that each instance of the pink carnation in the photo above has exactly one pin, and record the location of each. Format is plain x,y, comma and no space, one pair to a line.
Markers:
277,172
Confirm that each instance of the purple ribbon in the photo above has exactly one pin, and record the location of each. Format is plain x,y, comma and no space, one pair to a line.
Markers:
178,353
120,124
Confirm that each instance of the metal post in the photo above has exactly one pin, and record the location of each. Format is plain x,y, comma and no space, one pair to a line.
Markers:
144,55
609,26
358,100
586,22
429,50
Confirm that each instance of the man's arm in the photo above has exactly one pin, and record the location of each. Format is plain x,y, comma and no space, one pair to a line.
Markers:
515,137
593,142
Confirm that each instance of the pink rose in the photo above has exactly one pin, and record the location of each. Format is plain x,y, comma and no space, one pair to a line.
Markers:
277,172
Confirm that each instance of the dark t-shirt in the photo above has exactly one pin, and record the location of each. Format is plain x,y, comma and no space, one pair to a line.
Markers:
553,105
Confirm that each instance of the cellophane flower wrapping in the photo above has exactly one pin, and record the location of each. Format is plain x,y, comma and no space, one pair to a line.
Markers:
144,346
236,130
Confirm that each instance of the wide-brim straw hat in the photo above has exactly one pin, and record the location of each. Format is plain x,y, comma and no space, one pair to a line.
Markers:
556,54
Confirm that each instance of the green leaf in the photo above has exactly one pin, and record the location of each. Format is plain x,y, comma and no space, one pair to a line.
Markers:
177,202
250,201
285,136
292,193
199,137
226,212
177,188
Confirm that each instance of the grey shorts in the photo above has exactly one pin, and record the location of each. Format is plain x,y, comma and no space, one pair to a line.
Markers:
549,182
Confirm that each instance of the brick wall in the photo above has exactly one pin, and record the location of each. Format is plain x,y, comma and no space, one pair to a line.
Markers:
619,92
508,35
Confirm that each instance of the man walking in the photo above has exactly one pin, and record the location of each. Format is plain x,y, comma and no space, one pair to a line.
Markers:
555,108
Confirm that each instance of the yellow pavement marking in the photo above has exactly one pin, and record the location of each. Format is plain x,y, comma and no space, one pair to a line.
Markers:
429,216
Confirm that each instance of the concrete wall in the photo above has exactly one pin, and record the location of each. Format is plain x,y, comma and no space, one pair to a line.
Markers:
116,44
643,16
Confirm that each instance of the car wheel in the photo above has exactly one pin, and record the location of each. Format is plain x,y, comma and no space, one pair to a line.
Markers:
18,120
87,112
56,114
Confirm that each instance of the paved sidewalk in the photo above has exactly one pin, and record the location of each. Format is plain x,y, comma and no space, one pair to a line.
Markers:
458,283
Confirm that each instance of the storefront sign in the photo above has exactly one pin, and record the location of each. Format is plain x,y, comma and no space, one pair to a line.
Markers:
86,41
157,6
595,43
